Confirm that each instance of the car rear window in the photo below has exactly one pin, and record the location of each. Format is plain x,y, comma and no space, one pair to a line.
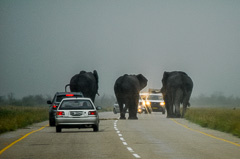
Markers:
76,104
61,97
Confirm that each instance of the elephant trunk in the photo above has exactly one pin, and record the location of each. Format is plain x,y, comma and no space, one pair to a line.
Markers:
68,85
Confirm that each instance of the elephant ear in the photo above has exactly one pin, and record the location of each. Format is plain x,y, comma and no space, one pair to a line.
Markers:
142,80
164,81
95,74
165,77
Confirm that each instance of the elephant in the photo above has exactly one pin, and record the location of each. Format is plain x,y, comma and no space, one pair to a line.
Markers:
85,82
176,89
127,89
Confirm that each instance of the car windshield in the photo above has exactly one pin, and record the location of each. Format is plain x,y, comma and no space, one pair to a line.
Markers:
154,97
60,97
76,104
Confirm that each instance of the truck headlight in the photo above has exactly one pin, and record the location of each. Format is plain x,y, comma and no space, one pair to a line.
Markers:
148,103
162,103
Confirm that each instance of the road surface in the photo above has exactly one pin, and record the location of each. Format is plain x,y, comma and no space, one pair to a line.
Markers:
152,136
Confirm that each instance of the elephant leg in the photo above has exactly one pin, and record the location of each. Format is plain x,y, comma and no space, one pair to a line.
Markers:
185,104
170,108
184,109
122,111
167,108
133,109
177,109
167,105
177,101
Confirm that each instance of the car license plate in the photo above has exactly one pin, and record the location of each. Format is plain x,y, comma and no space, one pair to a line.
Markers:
155,107
76,113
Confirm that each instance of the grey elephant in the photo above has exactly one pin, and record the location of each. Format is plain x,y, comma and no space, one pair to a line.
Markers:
127,88
85,82
176,89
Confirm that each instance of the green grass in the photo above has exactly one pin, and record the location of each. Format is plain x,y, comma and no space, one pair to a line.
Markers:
14,117
222,119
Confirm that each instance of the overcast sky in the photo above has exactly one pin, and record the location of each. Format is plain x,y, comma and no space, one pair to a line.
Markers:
43,43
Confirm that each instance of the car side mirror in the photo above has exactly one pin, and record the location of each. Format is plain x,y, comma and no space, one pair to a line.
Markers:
98,108
49,102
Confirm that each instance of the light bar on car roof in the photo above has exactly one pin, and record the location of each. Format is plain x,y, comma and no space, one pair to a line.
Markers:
69,95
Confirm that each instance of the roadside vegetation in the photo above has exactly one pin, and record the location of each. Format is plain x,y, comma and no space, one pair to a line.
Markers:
19,113
216,112
222,119
14,117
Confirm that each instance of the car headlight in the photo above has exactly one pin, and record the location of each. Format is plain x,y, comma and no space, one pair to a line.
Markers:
148,103
162,103
143,103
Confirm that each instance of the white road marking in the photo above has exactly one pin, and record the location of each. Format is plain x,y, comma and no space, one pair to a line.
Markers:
123,140
130,149
136,155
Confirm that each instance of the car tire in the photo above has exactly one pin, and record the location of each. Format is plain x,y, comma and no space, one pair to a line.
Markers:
96,128
51,122
58,129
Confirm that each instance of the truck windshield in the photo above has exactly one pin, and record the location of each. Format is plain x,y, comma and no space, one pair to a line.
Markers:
155,97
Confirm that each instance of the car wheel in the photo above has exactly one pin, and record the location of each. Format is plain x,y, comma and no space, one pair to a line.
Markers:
58,129
96,128
51,122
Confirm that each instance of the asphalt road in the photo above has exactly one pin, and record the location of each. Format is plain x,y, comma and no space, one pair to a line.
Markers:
152,136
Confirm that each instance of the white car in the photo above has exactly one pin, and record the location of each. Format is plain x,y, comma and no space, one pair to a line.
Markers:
77,113
155,100
116,108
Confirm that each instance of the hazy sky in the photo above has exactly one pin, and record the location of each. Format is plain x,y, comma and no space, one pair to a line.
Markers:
43,43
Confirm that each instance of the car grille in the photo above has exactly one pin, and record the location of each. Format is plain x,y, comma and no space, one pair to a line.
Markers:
155,104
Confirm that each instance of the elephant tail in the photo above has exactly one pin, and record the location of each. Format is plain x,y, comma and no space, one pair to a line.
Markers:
66,87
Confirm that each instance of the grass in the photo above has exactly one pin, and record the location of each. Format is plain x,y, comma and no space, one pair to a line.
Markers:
222,119
14,117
